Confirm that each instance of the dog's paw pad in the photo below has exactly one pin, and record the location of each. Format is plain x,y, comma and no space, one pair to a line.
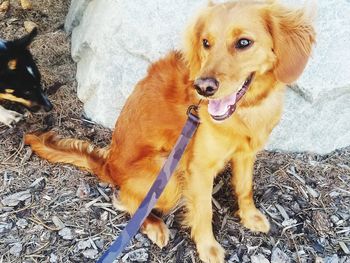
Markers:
254,220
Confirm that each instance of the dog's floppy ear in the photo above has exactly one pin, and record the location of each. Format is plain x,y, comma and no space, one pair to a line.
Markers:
293,37
192,46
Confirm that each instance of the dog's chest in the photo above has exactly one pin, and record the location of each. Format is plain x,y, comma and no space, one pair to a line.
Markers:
258,121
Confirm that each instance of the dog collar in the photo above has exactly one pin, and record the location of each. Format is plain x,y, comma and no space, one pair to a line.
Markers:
2,45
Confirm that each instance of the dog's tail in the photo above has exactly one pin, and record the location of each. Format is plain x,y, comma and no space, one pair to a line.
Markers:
71,151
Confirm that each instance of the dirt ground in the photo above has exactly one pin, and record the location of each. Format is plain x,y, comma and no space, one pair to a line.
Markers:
55,213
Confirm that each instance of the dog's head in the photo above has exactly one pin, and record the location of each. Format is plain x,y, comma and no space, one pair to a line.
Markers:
230,44
20,79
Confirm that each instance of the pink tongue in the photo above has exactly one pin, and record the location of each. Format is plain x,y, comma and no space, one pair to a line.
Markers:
220,107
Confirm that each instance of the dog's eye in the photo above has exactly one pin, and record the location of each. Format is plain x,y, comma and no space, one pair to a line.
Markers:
243,43
206,44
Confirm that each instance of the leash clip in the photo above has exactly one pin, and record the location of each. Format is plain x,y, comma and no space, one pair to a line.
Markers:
194,108
192,113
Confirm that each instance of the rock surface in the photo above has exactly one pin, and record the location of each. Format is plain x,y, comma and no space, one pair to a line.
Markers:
113,42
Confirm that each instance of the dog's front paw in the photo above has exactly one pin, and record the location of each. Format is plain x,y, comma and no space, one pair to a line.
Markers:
10,117
254,220
211,252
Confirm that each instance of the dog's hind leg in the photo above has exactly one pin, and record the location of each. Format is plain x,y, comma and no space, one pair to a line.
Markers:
134,185
153,227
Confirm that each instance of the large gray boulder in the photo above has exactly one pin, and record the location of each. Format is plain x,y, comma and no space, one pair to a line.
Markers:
113,42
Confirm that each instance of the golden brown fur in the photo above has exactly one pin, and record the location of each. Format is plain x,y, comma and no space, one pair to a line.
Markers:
155,113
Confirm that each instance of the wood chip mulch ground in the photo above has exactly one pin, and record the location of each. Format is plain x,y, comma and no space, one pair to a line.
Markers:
55,213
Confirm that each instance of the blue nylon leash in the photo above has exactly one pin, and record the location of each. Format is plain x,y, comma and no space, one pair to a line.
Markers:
156,190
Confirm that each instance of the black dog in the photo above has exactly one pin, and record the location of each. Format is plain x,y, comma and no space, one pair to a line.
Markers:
20,79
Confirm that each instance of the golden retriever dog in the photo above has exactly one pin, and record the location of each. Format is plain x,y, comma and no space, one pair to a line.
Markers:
247,46
5,5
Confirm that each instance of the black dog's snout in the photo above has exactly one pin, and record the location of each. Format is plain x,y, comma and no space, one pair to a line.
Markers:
206,87
47,105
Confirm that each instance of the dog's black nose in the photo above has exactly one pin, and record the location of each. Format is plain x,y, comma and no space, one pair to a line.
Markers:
206,87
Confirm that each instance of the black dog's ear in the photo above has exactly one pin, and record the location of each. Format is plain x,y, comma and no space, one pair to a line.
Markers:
25,41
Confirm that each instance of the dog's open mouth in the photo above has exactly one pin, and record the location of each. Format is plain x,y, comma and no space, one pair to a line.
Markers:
221,109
